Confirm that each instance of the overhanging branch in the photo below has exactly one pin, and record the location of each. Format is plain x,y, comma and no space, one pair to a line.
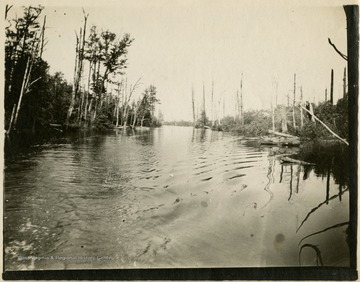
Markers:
337,50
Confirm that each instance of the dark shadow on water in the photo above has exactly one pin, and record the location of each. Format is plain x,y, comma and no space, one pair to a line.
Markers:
330,158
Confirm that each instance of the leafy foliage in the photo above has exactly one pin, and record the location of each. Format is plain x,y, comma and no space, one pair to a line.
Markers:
46,97
202,121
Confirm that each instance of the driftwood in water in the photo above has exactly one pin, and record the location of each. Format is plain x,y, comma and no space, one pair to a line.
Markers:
282,134
294,161
280,141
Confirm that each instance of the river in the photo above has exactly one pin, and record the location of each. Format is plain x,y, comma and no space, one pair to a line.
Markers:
168,197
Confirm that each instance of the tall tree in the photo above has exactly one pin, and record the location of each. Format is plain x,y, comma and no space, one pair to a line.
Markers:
22,46
78,71
107,56
241,101
147,106
294,99
344,83
332,87
352,23
193,104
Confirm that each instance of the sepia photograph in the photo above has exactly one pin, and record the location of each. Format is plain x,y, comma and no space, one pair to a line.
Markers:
181,139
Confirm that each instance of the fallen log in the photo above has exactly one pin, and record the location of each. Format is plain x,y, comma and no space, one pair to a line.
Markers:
282,134
291,160
55,125
280,141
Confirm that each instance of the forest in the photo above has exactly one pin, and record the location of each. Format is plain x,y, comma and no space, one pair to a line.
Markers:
100,95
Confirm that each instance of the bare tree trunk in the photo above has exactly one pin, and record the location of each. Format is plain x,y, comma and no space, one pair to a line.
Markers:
42,38
88,92
193,102
272,112
79,59
125,116
135,117
73,92
11,119
212,103
276,95
95,109
218,111
26,78
117,114
284,128
325,94
344,83
86,106
301,109
352,22
82,97
204,97
142,120
128,98
241,101
332,87
293,108
23,89
238,105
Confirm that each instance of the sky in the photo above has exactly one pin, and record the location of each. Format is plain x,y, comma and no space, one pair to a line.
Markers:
184,44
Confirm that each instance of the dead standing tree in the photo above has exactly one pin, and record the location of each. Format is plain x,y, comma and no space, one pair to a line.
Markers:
193,104
127,99
78,69
332,87
241,101
352,58
352,22
21,54
25,84
293,107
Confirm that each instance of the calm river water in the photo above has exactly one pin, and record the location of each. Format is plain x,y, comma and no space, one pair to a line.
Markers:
168,197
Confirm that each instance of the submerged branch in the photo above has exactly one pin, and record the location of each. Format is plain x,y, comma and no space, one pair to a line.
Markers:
324,230
316,249
316,208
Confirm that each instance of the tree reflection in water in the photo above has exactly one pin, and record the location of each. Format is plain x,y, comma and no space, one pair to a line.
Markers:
331,161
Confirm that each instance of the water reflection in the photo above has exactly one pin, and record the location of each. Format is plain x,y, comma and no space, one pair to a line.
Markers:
270,176
314,225
314,209
169,197
333,156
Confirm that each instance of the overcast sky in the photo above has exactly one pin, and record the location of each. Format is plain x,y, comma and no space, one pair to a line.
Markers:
181,43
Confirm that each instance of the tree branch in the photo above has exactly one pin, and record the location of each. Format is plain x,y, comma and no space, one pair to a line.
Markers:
7,9
337,51
28,88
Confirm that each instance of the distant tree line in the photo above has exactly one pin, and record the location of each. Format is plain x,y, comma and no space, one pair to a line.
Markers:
100,95
259,122
179,123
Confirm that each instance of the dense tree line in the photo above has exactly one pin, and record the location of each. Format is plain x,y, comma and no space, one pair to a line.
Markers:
99,96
